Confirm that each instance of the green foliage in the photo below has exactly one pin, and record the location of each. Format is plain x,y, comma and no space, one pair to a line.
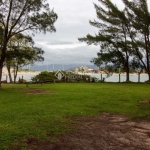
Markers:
21,52
123,35
17,16
112,36
138,15
68,77
1,38
27,15
44,76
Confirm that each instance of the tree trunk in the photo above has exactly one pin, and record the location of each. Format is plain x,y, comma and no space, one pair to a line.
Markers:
139,76
127,74
15,77
15,72
149,77
1,68
127,69
2,59
9,74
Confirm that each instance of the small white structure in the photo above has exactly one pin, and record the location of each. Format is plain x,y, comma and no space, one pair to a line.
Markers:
59,75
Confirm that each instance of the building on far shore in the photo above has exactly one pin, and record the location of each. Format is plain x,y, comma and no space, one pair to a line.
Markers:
82,69
85,69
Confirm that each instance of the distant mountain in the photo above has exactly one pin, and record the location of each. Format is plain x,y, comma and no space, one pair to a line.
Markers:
54,67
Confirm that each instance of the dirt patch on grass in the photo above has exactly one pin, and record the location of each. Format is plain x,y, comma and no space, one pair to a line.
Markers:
103,132
34,91
145,101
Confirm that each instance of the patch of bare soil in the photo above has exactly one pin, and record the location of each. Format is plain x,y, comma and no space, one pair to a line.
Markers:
145,101
33,91
103,132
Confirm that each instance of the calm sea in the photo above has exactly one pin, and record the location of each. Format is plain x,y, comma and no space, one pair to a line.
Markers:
113,78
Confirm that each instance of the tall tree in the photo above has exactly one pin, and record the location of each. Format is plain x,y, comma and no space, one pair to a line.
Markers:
21,52
126,31
17,16
112,35
139,19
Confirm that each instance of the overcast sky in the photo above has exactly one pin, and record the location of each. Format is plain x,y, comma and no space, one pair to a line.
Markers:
63,47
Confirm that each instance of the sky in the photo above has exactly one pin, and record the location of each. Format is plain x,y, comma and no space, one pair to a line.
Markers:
62,46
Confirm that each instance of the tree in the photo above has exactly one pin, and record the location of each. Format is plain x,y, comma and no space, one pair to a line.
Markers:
123,33
18,16
139,18
112,36
18,40
97,61
22,52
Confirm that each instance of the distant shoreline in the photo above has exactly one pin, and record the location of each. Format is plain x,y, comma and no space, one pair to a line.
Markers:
22,72
112,74
5,72
113,78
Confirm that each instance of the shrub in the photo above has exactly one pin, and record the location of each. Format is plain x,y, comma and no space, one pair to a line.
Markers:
44,76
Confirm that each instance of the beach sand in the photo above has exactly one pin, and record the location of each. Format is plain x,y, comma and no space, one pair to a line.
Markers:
5,72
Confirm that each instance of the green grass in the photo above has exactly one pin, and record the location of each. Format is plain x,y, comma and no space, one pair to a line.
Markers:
23,116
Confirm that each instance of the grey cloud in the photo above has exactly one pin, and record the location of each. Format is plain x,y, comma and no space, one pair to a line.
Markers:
56,42
81,55
72,23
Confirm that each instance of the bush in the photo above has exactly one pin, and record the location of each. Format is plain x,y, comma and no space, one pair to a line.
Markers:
44,76
68,77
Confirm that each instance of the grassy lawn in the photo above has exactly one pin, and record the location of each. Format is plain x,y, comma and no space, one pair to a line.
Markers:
27,115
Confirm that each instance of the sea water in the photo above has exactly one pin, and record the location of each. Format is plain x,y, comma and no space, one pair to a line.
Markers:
113,78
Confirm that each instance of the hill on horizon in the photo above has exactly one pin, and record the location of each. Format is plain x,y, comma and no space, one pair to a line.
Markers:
54,67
